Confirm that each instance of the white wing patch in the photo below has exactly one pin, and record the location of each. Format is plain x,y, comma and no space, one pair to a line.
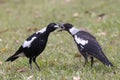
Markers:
73,30
42,30
80,40
28,43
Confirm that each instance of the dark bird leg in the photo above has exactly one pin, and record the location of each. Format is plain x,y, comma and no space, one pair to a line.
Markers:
30,62
92,59
85,57
34,60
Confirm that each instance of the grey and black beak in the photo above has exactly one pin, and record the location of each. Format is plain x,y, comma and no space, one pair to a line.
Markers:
61,27
56,26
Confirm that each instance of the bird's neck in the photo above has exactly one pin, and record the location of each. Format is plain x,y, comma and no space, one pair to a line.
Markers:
73,30
44,31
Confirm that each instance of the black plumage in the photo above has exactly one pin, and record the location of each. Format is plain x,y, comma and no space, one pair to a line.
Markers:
87,44
34,45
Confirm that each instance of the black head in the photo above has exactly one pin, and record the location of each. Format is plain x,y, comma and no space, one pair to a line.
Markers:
65,26
51,27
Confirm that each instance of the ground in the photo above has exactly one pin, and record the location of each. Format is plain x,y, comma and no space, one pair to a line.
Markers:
61,59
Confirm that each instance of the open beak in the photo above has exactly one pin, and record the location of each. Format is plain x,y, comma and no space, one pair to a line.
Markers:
61,27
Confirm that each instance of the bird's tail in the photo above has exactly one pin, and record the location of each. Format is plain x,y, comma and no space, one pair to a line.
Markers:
15,56
11,58
103,59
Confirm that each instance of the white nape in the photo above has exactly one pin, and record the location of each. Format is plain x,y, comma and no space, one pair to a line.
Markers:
28,43
80,40
42,30
73,30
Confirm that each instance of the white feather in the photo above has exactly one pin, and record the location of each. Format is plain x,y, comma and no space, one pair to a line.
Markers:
42,30
80,40
21,55
73,30
28,43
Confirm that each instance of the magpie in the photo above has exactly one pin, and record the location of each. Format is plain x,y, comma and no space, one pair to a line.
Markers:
87,44
34,45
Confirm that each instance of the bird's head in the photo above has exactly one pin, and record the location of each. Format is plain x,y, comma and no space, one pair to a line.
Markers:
51,27
66,26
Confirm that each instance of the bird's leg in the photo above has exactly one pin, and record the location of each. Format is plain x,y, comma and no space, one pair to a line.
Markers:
34,60
92,59
86,60
85,57
30,62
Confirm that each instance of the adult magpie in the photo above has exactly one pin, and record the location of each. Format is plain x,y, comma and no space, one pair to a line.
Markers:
34,45
87,44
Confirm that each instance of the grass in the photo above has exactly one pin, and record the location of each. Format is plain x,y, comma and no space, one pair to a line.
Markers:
21,18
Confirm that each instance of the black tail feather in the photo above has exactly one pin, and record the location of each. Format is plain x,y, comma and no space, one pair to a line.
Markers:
12,58
103,59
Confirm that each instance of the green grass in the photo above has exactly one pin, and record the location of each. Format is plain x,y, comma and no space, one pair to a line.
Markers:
21,18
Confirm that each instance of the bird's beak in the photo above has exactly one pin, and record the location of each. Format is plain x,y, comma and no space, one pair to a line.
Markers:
61,26
56,26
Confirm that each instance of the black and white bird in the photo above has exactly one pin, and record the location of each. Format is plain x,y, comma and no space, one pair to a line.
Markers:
87,44
34,45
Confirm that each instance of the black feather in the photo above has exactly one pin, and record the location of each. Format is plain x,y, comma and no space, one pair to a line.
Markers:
36,46
87,44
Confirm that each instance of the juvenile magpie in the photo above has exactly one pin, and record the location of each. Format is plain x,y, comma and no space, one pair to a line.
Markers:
34,45
87,44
